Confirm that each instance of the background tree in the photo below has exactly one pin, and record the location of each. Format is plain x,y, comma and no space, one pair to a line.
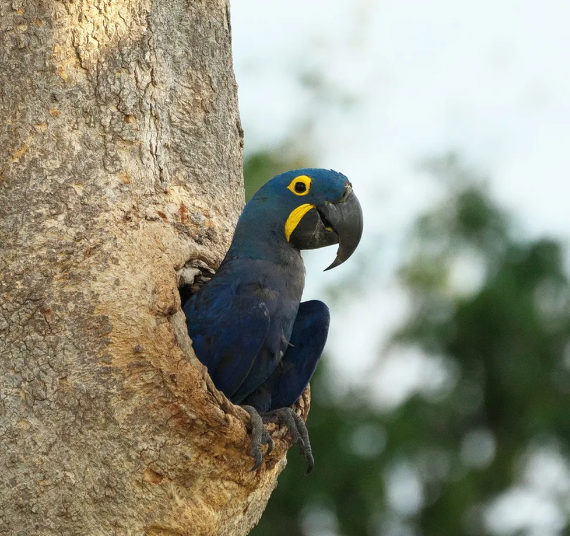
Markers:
491,316
120,178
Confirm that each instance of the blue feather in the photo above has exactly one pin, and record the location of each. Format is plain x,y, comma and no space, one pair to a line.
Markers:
260,346
291,376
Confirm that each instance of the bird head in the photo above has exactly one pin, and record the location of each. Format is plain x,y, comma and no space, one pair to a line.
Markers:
310,209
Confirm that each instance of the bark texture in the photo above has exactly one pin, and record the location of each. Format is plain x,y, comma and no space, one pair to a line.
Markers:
120,162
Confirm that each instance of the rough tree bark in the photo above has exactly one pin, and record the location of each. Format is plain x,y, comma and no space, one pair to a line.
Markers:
120,164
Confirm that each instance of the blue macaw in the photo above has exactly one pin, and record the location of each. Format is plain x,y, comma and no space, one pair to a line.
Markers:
247,325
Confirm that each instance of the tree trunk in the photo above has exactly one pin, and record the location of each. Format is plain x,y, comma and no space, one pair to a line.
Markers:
120,163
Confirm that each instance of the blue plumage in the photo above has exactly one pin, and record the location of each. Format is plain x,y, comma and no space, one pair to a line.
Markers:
291,375
247,325
241,321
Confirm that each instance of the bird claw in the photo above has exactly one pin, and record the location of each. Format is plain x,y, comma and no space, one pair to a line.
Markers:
297,429
260,436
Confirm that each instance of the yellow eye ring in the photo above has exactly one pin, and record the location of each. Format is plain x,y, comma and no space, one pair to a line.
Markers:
300,185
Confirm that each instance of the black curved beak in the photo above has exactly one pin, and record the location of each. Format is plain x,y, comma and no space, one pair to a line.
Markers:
331,223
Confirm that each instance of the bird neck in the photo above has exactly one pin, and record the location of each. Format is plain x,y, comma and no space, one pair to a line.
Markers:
259,236
263,244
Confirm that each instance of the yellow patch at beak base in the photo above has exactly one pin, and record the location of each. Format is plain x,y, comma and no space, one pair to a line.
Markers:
295,217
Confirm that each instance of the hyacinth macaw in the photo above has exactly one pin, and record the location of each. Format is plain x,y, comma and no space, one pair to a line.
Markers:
247,324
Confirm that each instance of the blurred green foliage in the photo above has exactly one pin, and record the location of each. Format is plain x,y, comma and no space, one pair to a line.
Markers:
494,310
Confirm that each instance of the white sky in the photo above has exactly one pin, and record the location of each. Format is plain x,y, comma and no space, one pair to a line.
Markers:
489,78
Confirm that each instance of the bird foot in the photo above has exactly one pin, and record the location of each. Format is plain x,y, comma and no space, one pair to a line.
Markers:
281,416
297,429
259,436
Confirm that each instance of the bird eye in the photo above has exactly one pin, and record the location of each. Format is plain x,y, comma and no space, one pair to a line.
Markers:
300,185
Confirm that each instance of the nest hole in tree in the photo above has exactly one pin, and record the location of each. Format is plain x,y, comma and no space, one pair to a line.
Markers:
191,277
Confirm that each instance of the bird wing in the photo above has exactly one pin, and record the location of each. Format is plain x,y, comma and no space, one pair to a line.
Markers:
291,376
227,332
